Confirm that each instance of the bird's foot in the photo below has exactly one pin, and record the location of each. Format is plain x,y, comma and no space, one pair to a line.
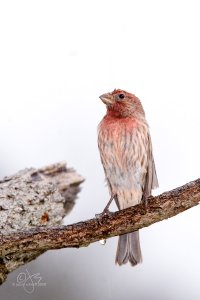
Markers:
145,202
105,212
106,209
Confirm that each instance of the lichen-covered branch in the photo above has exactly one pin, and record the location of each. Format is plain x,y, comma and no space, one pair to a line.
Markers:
34,197
26,244
82,234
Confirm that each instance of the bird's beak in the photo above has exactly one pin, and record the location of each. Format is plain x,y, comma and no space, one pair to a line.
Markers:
107,99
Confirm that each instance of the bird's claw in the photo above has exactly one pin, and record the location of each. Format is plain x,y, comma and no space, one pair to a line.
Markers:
145,202
105,212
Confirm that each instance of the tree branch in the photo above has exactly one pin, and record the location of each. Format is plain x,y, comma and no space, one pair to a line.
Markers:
30,198
82,234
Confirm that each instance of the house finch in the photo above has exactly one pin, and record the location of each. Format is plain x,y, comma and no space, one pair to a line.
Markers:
126,153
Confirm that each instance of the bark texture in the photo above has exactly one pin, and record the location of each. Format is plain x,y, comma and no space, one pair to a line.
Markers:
34,197
23,242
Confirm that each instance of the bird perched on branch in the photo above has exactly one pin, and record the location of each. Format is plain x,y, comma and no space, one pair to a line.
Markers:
126,153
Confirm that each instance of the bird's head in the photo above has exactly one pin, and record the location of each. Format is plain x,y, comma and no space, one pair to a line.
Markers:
122,104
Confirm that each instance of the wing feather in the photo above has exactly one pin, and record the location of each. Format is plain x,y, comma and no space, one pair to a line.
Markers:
151,180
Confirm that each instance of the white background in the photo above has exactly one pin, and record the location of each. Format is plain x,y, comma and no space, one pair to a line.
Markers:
56,58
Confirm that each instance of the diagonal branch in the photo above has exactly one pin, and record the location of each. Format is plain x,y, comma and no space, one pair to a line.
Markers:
82,234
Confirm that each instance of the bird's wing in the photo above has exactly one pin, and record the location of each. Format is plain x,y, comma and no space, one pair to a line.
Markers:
151,180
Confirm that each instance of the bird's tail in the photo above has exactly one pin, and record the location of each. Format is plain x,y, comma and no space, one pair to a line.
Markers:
129,249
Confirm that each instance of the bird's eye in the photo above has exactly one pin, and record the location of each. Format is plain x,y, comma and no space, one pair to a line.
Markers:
121,96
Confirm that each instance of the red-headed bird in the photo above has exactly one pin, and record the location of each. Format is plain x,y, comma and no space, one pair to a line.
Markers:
126,153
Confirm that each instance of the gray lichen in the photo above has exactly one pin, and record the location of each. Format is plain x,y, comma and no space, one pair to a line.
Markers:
32,198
